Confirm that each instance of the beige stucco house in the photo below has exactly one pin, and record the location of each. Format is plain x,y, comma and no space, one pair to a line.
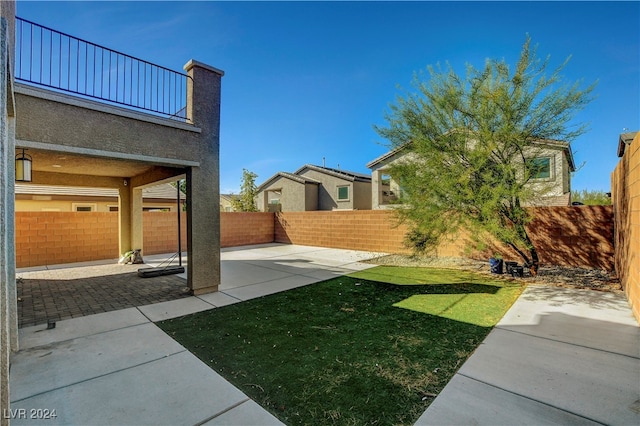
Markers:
226,202
37,198
553,160
315,188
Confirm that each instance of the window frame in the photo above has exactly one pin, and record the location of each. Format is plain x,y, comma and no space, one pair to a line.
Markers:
550,163
92,206
338,188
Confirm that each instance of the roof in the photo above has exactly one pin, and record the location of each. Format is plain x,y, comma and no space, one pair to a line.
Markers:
342,174
164,191
371,164
290,176
230,197
624,140
565,146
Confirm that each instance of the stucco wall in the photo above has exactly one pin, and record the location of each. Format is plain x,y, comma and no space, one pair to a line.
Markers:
8,301
292,197
625,185
98,204
328,191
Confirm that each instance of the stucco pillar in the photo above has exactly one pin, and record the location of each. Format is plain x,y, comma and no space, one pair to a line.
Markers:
8,303
376,189
124,219
136,219
203,182
129,218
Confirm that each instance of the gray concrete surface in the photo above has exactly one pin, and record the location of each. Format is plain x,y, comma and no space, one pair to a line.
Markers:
559,356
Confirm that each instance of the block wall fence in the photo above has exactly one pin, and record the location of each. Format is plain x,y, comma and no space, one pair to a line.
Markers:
625,191
571,236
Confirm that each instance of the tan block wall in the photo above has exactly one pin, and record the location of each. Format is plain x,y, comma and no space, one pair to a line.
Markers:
160,232
49,238
570,236
240,228
369,230
625,187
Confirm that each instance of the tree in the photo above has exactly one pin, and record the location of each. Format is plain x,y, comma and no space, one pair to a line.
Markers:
246,201
469,141
591,197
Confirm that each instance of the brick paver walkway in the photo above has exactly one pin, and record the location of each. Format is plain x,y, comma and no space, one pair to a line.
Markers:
74,292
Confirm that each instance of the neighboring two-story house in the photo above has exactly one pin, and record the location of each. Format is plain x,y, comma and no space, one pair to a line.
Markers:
553,161
315,188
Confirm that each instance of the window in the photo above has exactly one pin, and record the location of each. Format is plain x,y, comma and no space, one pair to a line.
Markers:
113,208
540,168
343,193
274,201
76,207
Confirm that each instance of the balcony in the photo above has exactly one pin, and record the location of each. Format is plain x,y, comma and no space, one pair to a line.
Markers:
58,61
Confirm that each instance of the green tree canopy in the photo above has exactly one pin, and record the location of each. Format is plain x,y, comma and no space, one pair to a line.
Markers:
468,143
246,201
591,197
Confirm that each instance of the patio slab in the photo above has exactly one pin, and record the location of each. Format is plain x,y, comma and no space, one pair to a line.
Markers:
247,413
270,287
177,389
38,335
489,405
174,308
46,368
219,299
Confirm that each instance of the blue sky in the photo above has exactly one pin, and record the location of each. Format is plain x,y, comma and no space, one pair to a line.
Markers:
309,80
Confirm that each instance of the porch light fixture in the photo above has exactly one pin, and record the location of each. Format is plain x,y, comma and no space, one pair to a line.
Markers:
23,167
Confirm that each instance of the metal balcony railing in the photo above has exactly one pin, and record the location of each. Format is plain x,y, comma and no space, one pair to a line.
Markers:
49,58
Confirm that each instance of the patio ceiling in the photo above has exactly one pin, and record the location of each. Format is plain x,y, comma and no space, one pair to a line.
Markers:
76,164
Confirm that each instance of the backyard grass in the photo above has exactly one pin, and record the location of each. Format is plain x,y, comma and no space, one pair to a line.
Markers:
374,347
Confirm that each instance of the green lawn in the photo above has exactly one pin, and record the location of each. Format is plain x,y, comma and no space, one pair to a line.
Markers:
374,347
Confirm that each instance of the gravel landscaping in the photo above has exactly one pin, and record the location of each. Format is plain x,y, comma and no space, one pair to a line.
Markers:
594,279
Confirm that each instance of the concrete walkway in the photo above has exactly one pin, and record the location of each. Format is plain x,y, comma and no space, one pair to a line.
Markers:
120,368
559,356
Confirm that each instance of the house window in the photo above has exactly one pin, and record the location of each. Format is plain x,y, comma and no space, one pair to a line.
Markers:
343,193
540,168
113,208
76,207
274,201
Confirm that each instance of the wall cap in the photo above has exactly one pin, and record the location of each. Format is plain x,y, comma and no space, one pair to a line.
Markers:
193,63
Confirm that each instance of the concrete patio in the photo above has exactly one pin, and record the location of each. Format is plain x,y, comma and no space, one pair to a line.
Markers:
119,368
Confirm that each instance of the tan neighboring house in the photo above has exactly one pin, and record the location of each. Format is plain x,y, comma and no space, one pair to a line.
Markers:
226,202
315,188
47,198
553,160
